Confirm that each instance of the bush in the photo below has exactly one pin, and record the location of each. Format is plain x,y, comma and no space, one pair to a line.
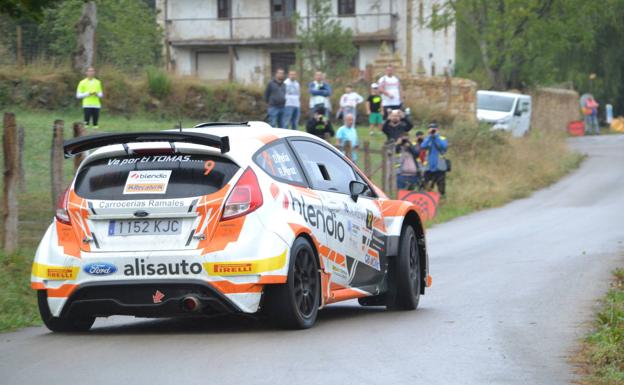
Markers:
158,83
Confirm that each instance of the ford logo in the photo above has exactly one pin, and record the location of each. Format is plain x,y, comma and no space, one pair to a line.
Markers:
141,214
100,268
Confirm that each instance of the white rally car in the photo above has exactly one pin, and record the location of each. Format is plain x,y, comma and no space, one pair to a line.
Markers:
223,217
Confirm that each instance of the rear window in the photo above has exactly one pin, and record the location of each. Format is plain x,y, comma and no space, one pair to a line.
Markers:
154,176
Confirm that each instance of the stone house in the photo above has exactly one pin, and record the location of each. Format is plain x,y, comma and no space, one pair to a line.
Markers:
246,40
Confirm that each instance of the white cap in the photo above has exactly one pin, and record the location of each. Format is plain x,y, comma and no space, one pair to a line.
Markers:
374,85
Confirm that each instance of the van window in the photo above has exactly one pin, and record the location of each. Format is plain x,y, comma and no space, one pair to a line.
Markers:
168,176
495,102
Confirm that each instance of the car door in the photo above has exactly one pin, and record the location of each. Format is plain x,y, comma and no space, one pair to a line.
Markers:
354,230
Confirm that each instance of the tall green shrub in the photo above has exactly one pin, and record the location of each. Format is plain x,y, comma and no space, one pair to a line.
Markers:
158,83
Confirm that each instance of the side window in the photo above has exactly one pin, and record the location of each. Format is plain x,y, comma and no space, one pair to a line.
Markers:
326,169
277,161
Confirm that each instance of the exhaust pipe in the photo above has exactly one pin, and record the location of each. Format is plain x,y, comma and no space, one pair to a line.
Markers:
190,303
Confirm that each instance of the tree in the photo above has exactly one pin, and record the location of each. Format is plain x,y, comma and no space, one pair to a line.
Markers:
127,34
85,28
20,11
519,41
325,44
28,9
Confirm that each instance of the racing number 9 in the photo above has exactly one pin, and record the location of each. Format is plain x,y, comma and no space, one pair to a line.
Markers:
208,166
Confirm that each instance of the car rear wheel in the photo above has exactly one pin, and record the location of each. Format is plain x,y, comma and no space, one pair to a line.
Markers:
404,273
63,323
294,305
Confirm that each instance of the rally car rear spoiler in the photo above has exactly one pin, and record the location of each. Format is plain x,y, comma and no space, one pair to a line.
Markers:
75,146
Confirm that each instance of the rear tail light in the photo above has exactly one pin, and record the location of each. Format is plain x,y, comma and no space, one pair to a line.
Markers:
244,198
62,215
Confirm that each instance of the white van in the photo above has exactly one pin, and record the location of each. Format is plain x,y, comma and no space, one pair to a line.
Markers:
505,111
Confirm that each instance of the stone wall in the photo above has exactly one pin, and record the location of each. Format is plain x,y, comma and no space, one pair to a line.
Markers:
453,97
554,108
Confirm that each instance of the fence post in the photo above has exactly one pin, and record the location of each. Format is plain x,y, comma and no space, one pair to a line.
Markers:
348,150
11,183
367,165
384,169
79,130
20,143
388,168
56,160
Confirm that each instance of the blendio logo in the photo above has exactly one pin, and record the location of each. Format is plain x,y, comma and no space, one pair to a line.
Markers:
316,218
141,268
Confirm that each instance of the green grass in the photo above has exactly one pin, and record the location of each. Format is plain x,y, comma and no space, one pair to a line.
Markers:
602,353
18,304
489,169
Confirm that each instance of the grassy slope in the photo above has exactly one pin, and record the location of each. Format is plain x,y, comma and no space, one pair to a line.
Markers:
489,170
602,353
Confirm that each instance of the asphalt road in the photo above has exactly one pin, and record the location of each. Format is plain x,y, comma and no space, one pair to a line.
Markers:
513,290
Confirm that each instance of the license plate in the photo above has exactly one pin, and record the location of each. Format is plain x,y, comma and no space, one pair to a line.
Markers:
145,227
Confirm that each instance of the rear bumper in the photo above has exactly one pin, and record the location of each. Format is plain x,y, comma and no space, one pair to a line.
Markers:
141,299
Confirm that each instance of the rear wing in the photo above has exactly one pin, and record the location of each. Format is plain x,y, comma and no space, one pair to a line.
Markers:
75,146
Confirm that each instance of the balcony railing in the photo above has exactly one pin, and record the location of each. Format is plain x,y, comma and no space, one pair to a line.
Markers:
250,30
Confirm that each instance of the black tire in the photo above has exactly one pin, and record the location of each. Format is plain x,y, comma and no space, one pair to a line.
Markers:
61,324
295,304
404,274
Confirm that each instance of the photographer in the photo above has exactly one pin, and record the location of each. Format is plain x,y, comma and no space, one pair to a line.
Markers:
408,177
437,166
319,125
397,124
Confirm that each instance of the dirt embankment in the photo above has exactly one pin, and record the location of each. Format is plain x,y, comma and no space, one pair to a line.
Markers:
127,94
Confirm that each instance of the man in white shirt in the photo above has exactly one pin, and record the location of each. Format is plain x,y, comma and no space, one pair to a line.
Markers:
390,89
292,109
320,91
349,101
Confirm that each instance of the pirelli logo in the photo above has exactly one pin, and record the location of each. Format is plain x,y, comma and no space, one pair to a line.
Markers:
232,268
59,273
257,266
62,273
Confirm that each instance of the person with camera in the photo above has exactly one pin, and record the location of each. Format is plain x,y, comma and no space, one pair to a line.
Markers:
397,124
409,174
437,165
319,125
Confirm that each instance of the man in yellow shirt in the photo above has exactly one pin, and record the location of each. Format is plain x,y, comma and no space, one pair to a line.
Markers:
90,91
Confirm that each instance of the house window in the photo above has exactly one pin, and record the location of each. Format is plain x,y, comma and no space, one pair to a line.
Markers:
223,9
346,7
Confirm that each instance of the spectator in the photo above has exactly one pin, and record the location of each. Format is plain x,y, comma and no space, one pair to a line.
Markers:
90,91
422,153
348,103
292,109
275,97
319,125
396,125
348,132
373,109
435,170
390,89
320,91
408,176
591,116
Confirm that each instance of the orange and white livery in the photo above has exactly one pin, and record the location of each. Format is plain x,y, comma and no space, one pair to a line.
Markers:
223,217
